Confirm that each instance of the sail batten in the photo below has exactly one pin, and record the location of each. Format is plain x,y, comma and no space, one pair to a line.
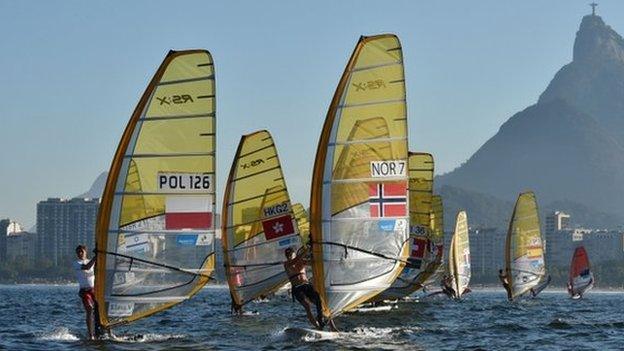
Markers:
359,196
155,229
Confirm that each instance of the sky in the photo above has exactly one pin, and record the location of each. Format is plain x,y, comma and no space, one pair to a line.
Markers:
73,71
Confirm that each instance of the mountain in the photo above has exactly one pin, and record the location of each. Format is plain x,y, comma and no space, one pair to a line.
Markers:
594,81
569,145
486,211
97,188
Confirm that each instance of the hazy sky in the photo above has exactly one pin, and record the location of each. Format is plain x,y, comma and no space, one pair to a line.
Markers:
72,72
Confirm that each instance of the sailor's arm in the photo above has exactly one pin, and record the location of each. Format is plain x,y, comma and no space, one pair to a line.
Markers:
303,255
86,267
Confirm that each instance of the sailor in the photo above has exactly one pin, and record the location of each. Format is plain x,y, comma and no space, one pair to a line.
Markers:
86,280
446,286
302,290
503,278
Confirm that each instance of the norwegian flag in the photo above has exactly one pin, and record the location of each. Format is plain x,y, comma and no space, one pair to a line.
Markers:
277,227
388,199
188,212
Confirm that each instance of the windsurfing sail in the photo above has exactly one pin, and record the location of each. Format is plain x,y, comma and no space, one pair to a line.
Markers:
434,249
459,256
155,227
581,278
524,251
359,199
258,223
420,200
303,222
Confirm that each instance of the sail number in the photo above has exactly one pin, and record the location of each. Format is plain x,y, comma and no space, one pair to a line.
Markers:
185,182
390,168
276,209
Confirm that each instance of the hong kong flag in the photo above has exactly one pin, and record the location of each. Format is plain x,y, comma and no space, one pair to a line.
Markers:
277,227
188,212
388,199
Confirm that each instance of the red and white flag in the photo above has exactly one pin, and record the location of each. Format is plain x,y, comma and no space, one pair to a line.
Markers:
277,227
188,212
419,246
388,199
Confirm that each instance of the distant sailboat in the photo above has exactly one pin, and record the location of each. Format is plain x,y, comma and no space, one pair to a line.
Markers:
581,278
524,251
459,257
155,227
258,223
359,199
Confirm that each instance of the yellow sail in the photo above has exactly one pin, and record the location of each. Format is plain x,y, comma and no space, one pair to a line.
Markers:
303,221
524,251
359,219
420,199
459,256
437,221
432,262
155,228
258,222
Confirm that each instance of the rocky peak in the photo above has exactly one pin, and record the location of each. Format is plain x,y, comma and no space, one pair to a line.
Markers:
596,41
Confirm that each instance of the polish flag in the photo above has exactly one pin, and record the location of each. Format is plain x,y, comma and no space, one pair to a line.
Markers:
277,227
388,199
188,212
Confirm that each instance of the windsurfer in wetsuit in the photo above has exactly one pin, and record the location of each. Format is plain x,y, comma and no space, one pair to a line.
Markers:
504,279
302,290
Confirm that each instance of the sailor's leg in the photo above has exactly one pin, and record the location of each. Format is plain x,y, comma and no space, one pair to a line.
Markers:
90,326
300,295
316,299
311,318
99,330
332,326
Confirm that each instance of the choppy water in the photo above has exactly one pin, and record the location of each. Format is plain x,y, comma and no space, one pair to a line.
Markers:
51,317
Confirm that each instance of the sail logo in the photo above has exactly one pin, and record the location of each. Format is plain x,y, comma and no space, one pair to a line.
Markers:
175,99
276,210
252,164
185,182
390,168
369,85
